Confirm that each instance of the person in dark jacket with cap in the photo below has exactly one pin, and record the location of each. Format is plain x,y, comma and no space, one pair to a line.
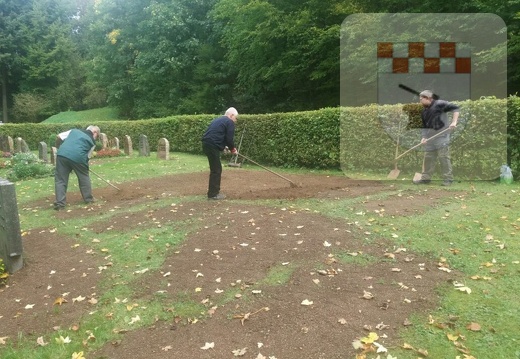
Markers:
434,120
219,135
73,155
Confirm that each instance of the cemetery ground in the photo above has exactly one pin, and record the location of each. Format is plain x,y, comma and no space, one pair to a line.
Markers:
334,268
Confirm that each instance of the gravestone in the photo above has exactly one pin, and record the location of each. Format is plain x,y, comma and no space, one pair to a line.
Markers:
42,152
104,141
114,143
144,146
10,237
25,147
163,149
18,145
128,145
54,152
4,144
10,143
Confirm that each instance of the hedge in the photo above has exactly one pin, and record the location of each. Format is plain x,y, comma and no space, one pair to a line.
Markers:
355,139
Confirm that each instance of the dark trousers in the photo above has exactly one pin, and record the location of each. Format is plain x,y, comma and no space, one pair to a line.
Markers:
430,161
215,168
64,167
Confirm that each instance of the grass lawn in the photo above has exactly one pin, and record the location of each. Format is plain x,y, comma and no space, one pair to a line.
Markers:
477,233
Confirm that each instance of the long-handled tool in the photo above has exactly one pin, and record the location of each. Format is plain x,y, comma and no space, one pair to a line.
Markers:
420,144
293,185
395,172
234,159
104,180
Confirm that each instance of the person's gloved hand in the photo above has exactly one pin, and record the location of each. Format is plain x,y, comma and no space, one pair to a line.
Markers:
234,151
226,150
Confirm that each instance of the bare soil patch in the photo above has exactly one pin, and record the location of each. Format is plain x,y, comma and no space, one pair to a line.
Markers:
236,246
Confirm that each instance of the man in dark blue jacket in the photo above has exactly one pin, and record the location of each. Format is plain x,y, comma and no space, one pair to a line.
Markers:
219,135
73,155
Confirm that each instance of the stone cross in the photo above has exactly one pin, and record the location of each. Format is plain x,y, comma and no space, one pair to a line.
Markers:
54,152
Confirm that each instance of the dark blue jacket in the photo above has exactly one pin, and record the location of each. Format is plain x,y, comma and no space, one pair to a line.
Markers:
220,133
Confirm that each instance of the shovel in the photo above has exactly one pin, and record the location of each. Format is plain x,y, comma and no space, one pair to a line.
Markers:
411,149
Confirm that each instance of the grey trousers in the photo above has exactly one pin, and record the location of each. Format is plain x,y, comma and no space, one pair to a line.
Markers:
430,162
64,167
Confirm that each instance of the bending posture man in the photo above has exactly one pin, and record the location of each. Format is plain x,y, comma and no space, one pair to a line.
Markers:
220,134
73,155
434,120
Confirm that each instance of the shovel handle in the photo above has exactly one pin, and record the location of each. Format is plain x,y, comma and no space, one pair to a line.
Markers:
419,144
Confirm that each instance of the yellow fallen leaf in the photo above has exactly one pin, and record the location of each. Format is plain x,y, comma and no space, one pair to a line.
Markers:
78,355
60,301
372,337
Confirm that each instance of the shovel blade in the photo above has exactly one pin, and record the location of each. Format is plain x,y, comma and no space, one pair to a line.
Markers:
393,174
417,177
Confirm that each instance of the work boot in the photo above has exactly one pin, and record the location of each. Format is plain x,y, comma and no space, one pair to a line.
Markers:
218,197
422,181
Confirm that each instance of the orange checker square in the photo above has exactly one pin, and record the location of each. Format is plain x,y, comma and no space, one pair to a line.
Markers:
447,49
385,49
416,49
432,65
400,66
463,65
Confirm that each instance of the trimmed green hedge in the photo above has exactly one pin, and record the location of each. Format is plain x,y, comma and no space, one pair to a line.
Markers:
354,139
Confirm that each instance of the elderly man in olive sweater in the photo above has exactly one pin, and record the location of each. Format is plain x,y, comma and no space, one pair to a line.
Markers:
73,155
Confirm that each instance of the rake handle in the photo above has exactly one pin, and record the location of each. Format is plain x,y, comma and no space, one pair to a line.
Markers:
420,144
104,180
267,169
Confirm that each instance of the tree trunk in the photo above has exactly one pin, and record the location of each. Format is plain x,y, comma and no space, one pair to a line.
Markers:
3,80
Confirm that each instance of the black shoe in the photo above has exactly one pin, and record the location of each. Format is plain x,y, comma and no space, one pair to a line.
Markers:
58,207
218,197
422,181
446,183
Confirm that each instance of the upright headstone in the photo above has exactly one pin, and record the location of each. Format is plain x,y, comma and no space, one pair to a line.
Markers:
11,249
114,143
42,152
163,149
18,145
104,141
144,146
4,146
25,147
128,145
54,151
10,143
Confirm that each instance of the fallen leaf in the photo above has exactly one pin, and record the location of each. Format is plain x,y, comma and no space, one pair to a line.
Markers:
60,301
475,327
40,342
2,340
239,352
30,306
78,355
166,348
367,295
307,302
78,299
208,346
134,319
372,337
61,340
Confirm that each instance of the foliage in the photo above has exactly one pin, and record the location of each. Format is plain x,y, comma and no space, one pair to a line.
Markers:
358,139
87,117
3,272
109,152
29,107
26,165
